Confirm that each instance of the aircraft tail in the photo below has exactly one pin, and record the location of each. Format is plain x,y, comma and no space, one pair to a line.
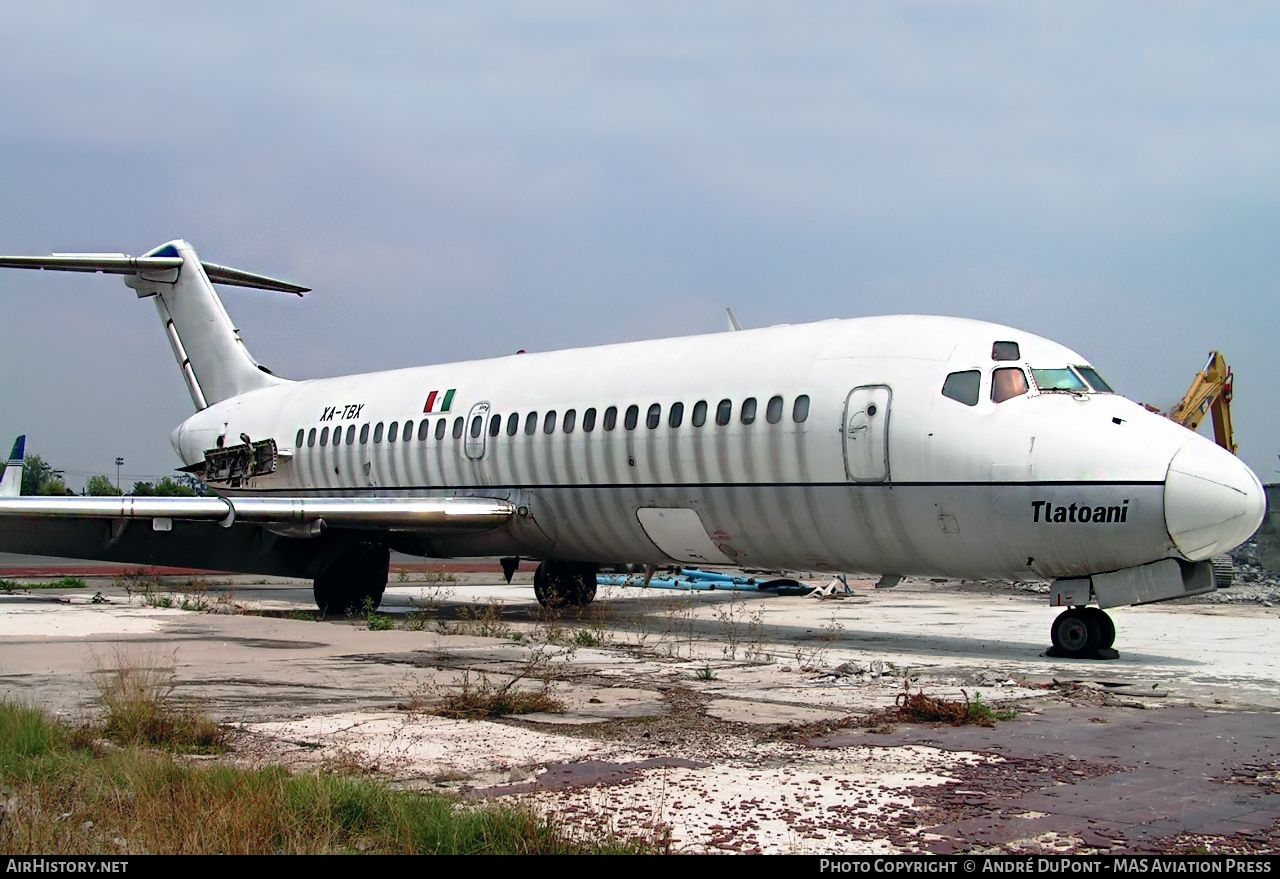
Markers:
213,358
11,482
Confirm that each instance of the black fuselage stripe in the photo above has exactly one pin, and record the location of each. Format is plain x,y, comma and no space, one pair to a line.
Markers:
646,486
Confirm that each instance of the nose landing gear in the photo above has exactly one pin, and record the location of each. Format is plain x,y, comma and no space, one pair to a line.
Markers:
1083,633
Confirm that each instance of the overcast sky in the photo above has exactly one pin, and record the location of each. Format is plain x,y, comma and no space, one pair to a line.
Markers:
458,180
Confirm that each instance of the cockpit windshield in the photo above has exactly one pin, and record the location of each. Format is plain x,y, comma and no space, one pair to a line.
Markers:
1059,380
1095,381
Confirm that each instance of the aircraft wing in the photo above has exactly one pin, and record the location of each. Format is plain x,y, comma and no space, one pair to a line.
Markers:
431,515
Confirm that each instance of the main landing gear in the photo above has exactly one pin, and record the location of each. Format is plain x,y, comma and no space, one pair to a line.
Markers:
355,579
1083,633
560,584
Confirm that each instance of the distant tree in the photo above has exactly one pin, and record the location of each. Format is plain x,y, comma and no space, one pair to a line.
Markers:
169,487
40,478
166,487
100,486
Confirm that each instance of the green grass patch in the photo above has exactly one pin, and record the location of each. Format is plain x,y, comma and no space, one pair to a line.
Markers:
68,795
64,583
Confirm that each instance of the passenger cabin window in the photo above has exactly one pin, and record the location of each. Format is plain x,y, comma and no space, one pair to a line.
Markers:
963,386
748,413
406,432
311,437
1005,351
773,411
495,425
513,424
477,426
1007,383
351,434
611,418
301,435
653,417
424,429
589,420
723,412
458,424
570,420
699,413
800,409
676,417
531,423
324,437
549,422
441,426
393,431
632,418
377,432
364,434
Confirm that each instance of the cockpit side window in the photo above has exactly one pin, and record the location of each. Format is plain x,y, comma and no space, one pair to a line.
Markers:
963,386
1008,382
1005,351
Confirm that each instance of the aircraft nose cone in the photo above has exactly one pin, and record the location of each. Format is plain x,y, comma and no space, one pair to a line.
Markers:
1212,501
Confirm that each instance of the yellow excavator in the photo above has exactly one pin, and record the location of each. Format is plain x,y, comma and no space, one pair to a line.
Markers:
1210,393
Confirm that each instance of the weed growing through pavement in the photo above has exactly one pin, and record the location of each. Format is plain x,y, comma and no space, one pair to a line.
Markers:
919,707
484,621
194,594
138,582
706,673
742,626
376,622
528,691
135,693
826,638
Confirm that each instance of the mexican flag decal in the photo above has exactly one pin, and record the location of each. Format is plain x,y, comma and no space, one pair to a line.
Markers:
437,402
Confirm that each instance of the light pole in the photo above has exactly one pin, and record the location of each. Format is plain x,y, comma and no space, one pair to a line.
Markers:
119,464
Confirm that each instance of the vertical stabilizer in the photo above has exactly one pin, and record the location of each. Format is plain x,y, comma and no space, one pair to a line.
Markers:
11,482
213,358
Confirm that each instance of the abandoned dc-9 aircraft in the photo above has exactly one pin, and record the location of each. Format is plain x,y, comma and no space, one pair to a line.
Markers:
892,445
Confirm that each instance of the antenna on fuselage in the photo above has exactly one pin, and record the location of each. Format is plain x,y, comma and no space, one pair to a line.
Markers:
734,324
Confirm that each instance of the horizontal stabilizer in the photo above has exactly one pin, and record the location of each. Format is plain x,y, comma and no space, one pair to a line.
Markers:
121,264
11,483
427,515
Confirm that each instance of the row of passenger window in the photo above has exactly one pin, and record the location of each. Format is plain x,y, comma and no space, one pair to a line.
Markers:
747,414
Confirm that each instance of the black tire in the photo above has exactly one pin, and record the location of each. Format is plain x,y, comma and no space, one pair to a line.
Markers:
1076,633
356,577
1106,626
564,584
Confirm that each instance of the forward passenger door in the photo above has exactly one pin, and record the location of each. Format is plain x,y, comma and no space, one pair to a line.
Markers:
866,433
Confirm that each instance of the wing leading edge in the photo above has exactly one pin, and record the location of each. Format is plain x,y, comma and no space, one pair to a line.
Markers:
438,515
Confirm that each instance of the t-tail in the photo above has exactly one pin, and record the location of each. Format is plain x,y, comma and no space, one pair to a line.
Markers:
213,358
11,482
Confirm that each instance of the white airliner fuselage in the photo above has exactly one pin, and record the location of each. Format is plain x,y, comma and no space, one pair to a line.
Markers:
890,445
882,473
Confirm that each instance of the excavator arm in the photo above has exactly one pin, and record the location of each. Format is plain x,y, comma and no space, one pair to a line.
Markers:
1210,392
